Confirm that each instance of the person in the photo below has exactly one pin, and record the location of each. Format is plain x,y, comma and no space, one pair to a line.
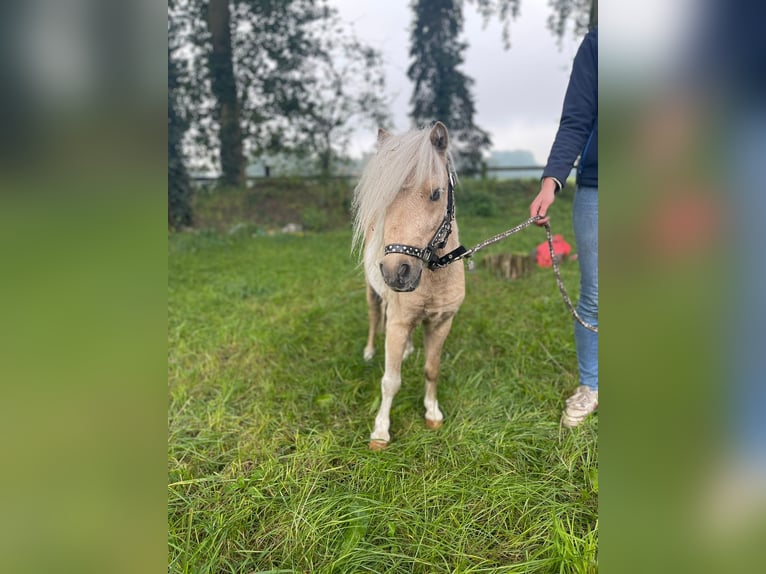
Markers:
577,136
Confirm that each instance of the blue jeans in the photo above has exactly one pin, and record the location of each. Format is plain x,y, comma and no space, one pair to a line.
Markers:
585,218
746,337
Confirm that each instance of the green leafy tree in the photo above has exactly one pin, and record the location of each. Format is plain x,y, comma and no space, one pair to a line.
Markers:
260,69
503,10
244,59
441,90
583,14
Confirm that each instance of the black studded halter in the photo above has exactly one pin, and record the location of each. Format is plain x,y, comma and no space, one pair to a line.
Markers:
439,240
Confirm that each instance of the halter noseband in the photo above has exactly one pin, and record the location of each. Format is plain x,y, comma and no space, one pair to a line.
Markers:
438,241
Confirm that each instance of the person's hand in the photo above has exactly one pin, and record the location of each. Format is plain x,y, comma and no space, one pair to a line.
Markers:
543,201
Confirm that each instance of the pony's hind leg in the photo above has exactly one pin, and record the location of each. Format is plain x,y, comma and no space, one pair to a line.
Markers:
435,333
376,314
396,339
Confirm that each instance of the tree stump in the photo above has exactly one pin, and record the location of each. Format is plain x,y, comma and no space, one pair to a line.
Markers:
509,265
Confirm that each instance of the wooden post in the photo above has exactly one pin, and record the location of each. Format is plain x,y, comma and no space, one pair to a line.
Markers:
509,265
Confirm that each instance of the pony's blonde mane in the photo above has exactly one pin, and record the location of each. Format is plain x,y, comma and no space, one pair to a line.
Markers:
406,159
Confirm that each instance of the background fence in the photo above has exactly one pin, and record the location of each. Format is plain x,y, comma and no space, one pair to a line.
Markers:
535,171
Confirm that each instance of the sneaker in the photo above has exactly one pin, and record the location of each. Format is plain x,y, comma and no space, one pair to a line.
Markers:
582,403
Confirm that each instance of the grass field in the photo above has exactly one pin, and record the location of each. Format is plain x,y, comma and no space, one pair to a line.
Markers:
271,406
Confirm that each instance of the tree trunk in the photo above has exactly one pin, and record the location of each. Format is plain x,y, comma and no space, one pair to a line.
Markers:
509,265
179,185
325,155
225,91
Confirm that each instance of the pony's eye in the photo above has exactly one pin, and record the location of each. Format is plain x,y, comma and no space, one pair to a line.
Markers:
436,194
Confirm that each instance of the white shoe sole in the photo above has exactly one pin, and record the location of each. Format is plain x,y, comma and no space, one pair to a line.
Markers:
571,421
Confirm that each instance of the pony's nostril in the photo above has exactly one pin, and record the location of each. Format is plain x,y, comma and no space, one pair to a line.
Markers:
404,270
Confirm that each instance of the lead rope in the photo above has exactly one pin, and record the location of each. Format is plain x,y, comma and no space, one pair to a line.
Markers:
556,272
560,283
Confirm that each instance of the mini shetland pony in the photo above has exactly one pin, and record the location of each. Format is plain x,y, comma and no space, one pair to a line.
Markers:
404,216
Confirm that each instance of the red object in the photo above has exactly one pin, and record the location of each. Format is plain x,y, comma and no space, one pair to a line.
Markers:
560,248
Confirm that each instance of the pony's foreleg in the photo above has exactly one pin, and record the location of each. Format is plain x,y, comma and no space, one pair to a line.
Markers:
376,314
396,339
435,333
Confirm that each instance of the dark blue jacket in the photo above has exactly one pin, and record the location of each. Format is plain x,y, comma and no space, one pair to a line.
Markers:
578,129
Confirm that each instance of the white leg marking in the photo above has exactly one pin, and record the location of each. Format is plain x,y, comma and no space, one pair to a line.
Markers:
396,337
389,386
434,416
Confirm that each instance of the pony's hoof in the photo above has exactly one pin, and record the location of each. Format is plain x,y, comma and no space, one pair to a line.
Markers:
378,444
368,355
433,425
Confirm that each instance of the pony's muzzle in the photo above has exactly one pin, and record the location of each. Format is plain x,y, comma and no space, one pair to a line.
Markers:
401,273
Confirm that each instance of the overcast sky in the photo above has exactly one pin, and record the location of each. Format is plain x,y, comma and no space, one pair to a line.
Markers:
518,92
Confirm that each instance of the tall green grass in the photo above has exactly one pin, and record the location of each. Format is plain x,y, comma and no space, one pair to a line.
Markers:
271,406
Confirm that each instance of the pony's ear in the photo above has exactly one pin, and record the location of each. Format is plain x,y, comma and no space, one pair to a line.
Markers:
439,137
383,135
